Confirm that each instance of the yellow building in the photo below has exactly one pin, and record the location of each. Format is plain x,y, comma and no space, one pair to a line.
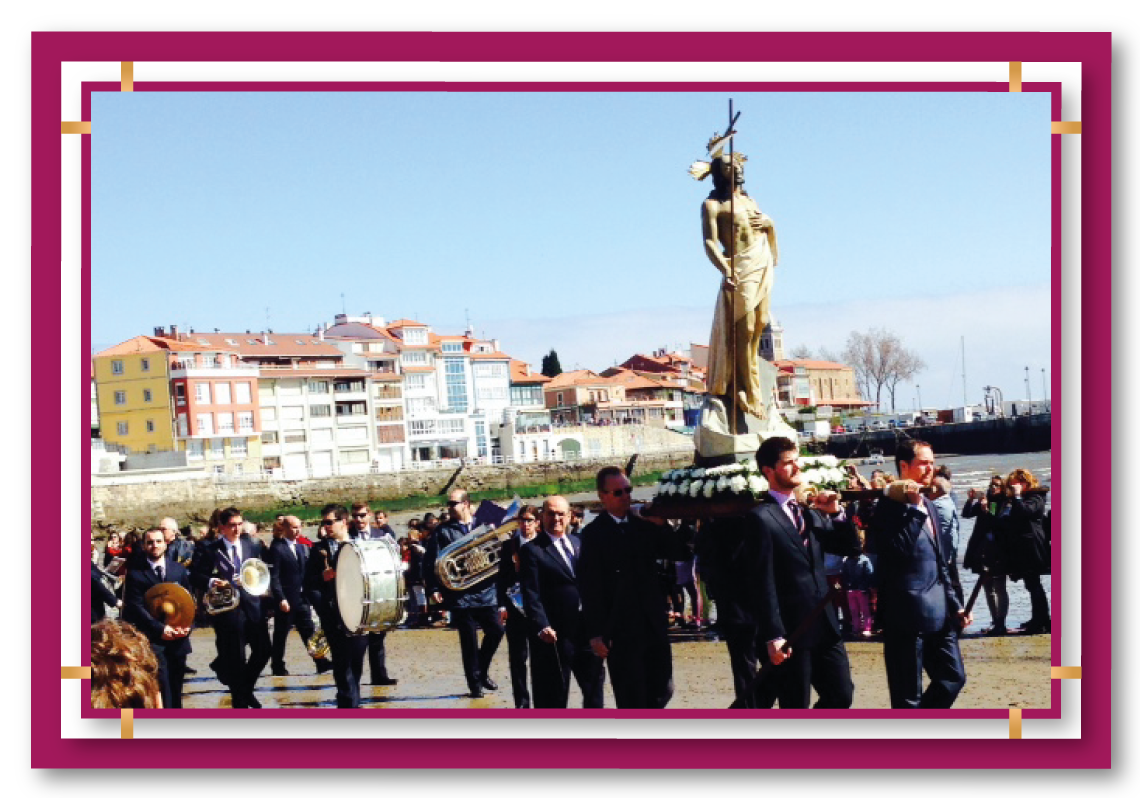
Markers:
132,388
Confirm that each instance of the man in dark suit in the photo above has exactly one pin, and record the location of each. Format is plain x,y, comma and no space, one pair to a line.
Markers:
320,589
360,526
785,564
918,609
286,559
473,608
550,596
245,625
170,644
519,628
623,604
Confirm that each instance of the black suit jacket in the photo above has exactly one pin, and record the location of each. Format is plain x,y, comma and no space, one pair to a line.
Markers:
319,593
792,580
138,582
550,588
618,580
287,573
915,591
215,563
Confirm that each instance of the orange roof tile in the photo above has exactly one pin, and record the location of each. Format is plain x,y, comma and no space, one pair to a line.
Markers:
284,344
146,343
519,374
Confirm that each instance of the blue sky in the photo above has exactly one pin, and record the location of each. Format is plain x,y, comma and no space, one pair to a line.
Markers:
568,220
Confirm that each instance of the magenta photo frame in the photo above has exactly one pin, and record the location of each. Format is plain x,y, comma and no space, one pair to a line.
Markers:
1091,50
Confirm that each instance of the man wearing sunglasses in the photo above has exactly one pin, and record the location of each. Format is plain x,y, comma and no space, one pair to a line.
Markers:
471,609
360,527
245,625
320,588
623,604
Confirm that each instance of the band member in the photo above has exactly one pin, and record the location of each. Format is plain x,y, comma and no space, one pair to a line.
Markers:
518,627
622,601
918,609
549,582
361,527
786,564
286,559
245,625
170,644
471,609
320,589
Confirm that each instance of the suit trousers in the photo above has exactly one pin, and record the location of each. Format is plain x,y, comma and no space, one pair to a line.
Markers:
517,645
641,672
171,674
242,672
377,656
551,667
908,655
743,655
347,653
476,657
824,667
299,617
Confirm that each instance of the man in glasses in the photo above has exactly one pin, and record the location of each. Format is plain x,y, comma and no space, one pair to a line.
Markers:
471,609
245,625
360,527
320,588
518,627
623,604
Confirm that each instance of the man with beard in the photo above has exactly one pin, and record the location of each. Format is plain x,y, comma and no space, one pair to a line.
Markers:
360,527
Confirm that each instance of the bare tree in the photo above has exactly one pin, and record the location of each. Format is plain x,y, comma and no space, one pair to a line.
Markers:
801,352
880,361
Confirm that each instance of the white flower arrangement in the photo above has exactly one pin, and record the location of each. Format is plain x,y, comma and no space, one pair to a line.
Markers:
825,471
744,480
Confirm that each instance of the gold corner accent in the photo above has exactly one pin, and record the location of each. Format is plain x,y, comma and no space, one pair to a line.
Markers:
127,721
128,75
1066,127
1015,76
75,127
1015,723
75,672
1065,672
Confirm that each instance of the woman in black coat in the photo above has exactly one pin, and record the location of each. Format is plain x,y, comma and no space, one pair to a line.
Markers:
1021,522
987,551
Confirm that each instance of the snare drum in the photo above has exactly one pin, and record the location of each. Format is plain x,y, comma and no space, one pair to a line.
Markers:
370,585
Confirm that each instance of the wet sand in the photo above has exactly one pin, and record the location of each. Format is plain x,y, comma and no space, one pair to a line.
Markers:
1001,672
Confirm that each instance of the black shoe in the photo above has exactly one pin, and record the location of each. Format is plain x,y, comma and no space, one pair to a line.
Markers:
476,692
189,671
280,672
323,666
489,683
384,682
996,631
254,703
218,675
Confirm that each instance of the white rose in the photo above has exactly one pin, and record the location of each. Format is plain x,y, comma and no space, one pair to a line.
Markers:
695,487
750,465
811,477
837,475
698,473
757,484
670,489
829,460
710,489
737,484
722,484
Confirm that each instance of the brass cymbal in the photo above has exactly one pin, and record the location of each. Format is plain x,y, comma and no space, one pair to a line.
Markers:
170,603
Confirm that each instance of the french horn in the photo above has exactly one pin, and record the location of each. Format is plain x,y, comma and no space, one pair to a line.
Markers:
223,597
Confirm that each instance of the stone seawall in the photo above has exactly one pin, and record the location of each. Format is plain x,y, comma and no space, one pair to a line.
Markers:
145,500
1000,436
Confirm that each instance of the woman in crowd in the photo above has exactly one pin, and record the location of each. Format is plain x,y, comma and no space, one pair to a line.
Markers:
114,549
124,671
1021,522
987,552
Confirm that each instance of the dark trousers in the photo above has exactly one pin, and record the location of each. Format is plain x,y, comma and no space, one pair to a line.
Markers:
242,672
744,651
171,674
347,654
824,667
908,655
641,672
517,646
551,666
1038,601
476,657
298,616
377,656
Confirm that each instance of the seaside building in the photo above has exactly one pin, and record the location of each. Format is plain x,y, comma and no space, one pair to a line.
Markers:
132,395
818,383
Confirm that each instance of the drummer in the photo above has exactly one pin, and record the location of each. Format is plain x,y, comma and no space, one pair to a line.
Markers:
171,643
320,589
361,527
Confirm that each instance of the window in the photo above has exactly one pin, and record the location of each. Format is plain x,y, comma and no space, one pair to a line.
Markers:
269,414
354,457
231,342
415,335
149,425
269,437
481,438
147,396
202,393
242,393
526,394
351,409
388,391
293,413
205,424
145,363
239,447
349,386
295,436
492,393
456,379
318,386
415,382
120,397
180,394
183,425
490,369
219,469
225,422
560,404
116,367
320,411
270,463
121,427
185,361
216,450
221,393
395,413
194,450
422,405
451,426
414,358
245,421
452,346
390,434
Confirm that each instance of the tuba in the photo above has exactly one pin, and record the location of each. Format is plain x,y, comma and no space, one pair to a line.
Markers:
223,597
474,557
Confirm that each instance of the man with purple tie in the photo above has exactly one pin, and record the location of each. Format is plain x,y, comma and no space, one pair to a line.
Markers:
919,611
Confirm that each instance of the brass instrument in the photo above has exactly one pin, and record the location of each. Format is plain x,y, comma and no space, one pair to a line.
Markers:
474,557
318,645
223,597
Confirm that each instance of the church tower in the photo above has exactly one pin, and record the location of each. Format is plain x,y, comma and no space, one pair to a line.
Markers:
772,341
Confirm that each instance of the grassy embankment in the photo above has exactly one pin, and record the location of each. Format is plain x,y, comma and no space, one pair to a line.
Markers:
434,502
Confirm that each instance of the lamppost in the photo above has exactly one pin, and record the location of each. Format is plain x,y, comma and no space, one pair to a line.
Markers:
1044,387
1028,393
918,389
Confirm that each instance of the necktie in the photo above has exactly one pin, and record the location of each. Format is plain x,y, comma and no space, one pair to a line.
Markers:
569,553
235,555
158,570
798,515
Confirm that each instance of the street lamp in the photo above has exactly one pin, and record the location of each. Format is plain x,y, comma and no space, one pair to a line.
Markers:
918,389
1028,393
1044,387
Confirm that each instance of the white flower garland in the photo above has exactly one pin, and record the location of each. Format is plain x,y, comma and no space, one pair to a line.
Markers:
744,479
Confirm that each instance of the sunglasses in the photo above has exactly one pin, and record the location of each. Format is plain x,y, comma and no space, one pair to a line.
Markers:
621,492
360,515
328,521
455,504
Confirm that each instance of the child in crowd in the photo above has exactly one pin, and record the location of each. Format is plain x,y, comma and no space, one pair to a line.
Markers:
858,575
